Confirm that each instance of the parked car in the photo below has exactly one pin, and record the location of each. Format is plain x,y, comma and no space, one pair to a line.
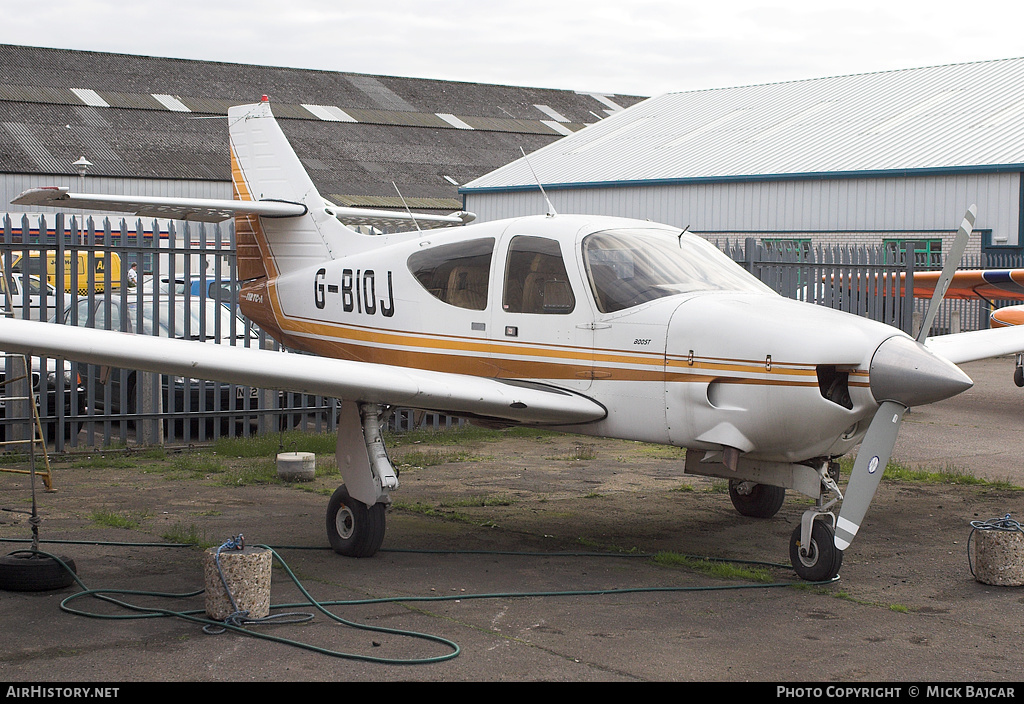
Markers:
116,391
38,292
219,289
47,388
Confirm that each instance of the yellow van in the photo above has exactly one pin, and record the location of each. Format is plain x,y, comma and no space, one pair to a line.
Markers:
104,267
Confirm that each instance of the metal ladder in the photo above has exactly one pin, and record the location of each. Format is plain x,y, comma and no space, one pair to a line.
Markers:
37,428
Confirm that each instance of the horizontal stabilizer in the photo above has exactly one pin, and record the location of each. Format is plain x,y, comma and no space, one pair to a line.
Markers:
218,210
194,209
388,218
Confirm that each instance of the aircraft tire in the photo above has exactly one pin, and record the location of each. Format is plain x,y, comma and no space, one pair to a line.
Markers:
763,501
32,572
353,528
823,560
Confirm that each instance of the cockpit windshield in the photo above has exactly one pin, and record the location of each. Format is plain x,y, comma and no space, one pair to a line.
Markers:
632,266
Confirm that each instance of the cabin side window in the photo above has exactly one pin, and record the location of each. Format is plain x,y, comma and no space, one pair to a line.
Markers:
535,278
629,267
457,273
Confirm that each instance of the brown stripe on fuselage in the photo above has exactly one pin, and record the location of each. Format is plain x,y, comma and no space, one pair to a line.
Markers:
252,263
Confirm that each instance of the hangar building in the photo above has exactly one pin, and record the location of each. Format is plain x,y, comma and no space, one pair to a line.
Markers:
889,156
156,126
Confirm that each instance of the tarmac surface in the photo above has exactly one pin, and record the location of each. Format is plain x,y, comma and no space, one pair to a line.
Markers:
549,579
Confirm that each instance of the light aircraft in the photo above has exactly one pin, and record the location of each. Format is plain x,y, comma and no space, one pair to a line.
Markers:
594,325
988,285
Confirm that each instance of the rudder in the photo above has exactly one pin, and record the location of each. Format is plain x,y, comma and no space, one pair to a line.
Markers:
265,167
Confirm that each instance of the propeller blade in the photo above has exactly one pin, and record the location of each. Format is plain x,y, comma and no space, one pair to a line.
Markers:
872,457
953,258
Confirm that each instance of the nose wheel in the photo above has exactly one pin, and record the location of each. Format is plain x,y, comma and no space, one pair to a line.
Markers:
756,500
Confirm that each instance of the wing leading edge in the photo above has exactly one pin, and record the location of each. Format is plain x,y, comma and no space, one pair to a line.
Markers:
977,344
456,394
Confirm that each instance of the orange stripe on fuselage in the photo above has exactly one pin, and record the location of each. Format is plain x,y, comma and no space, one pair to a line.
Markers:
518,360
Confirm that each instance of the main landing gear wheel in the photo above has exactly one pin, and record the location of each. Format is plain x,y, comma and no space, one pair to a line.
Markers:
33,572
820,561
353,528
756,500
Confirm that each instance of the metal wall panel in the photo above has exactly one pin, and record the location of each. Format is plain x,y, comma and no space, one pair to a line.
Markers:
868,205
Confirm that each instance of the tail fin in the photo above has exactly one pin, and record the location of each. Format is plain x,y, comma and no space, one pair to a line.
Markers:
265,167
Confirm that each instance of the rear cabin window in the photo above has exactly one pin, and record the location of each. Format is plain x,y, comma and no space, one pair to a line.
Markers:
535,278
456,273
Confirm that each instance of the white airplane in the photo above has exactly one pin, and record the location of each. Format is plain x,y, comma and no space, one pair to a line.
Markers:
594,325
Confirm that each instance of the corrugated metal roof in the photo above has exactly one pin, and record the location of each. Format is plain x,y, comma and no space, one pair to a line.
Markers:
944,117
147,117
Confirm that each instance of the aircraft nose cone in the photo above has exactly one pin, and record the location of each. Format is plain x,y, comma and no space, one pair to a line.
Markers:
906,372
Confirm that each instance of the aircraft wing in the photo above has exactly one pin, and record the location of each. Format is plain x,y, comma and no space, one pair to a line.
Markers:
455,394
216,210
991,284
977,344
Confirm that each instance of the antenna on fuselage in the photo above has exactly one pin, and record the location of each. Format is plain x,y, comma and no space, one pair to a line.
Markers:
407,209
551,208
679,239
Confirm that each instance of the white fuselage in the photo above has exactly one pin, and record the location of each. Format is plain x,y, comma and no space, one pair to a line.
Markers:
705,369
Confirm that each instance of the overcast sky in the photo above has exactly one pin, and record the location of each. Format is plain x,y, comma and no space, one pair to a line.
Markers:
633,47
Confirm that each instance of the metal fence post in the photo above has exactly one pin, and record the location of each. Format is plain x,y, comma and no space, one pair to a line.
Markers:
908,320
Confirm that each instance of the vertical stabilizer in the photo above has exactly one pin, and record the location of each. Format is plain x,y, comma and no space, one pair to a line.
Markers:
265,167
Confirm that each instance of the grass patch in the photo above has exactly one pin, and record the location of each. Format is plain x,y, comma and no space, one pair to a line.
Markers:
431,458
667,452
188,535
423,509
460,435
479,501
950,475
114,519
594,545
105,461
582,451
197,464
270,444
254,471
713,568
